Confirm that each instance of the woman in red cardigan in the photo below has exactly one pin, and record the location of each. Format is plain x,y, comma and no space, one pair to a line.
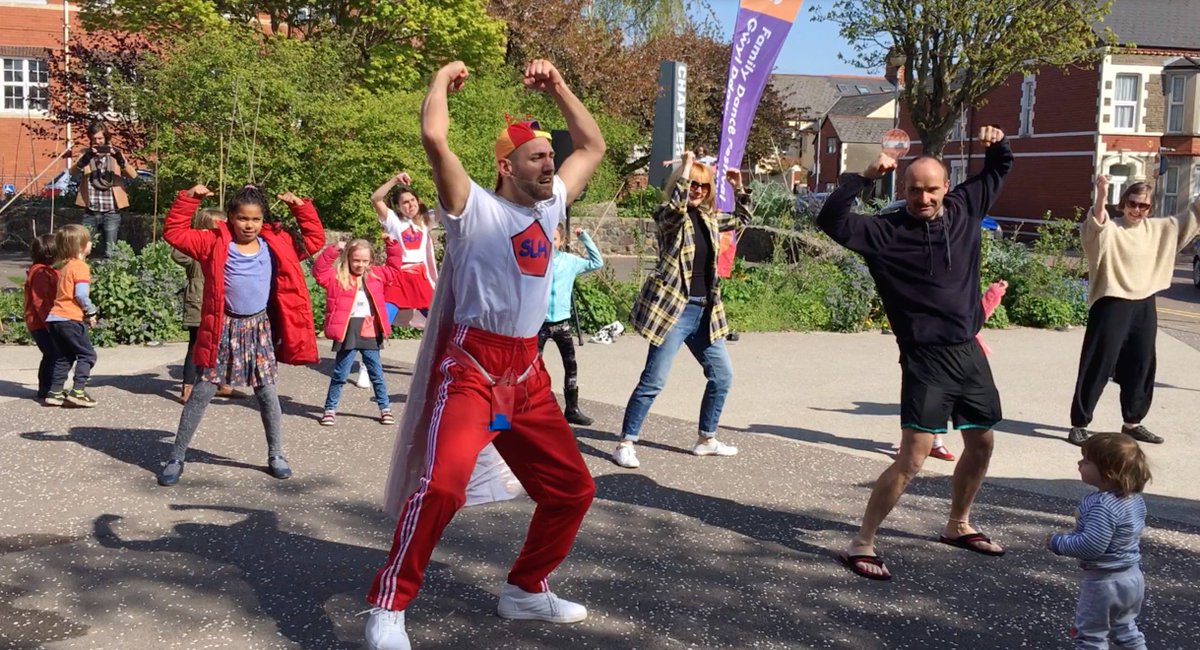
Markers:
255,309
356,319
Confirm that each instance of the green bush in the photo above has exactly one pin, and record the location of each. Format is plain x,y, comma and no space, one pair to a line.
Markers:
137,295
640,203
1046,287
12,318
774,205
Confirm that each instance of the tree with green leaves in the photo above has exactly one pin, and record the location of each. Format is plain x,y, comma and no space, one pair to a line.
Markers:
957,51
399,43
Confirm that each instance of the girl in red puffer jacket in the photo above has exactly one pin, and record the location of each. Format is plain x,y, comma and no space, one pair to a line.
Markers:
356,319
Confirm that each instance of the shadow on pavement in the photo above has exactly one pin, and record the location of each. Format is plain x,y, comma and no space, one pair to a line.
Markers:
144,448
26,629
1018,427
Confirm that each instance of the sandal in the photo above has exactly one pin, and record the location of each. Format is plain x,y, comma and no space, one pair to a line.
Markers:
854,562
971,541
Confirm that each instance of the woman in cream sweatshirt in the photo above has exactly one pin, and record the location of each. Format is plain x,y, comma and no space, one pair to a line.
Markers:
1130,259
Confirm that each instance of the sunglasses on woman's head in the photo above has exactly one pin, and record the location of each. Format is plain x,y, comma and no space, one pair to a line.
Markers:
1134,205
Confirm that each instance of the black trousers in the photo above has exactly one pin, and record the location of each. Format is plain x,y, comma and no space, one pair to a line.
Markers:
72,345
561,333
49,356
189,365
1119,344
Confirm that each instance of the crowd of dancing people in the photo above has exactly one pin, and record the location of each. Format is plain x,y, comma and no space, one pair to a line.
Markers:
480,394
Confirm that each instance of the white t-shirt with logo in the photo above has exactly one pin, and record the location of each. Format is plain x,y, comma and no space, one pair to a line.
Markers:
362,307
502,253
410,235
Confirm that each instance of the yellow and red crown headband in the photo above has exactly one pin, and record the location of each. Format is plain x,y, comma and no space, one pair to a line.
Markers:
517,134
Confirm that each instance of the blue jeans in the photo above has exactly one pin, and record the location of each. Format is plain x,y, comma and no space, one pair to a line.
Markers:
692,329
110,226
341,368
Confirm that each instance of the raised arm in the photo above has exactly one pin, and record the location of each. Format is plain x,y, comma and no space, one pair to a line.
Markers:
861,234
379,196
1189,225
586,139
322,267
979,192
309,221
743,208
449,177
1096,223
594,260
177,229
670,213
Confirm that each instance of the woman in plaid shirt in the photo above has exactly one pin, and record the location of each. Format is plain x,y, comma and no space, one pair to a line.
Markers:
680,303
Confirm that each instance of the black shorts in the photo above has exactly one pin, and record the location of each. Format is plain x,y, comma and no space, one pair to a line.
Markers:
947,382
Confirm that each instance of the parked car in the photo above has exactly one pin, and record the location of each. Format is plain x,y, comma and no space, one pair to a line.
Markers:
65,184
1196,263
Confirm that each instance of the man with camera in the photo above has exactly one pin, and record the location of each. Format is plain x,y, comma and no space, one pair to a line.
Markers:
102,189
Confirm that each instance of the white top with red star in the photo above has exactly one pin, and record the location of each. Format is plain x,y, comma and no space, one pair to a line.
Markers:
502,254
410,235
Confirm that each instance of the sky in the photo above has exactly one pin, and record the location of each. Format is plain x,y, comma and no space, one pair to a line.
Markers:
811,47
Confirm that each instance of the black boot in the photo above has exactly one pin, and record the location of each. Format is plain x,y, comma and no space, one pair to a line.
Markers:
574,415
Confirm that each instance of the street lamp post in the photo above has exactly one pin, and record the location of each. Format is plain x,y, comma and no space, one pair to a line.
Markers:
895,62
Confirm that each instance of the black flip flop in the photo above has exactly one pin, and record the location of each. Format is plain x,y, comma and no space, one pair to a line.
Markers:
851,562
968,542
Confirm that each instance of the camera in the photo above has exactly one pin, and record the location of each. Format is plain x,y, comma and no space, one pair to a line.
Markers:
102,149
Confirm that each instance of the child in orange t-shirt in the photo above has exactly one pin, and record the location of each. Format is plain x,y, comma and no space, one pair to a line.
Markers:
41,283
70,317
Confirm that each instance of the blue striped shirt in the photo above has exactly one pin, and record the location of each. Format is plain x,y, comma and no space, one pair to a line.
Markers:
1107,531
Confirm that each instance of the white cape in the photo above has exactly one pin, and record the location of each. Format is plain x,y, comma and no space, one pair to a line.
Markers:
491,480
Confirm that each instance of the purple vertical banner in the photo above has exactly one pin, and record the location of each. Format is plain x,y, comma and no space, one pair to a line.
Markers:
762,26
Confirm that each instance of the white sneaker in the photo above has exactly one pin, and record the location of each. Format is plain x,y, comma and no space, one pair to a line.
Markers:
519,604
625,456
364,380
714,447
385,631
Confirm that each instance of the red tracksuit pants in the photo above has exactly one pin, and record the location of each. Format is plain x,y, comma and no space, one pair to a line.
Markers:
539,448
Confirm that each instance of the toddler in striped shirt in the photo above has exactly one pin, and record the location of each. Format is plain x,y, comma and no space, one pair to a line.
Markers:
1105,540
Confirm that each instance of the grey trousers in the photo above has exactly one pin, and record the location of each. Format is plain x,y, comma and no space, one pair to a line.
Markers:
1109,604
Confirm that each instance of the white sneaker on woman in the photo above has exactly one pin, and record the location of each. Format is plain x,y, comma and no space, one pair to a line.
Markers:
545,606
625,456
385,631
714,447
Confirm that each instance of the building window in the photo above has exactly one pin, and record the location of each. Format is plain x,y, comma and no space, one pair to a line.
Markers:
958,172
843,89
829,187
25,83
1170,190
1125,102
1175,86
830,145
1028,88
863,90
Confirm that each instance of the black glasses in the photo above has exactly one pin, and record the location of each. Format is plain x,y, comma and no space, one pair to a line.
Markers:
1134,205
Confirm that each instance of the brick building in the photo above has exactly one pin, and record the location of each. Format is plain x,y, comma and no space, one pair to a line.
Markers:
30,30
1129,115
850,137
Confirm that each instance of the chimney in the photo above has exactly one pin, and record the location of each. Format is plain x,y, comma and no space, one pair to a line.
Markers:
894,70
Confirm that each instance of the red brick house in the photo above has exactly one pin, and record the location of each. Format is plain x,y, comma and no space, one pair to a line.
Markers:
29,31
1131,115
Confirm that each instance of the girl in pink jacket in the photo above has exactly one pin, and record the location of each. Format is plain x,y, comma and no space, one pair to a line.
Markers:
356,316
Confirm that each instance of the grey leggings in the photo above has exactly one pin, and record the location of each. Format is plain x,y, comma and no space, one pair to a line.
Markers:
202,394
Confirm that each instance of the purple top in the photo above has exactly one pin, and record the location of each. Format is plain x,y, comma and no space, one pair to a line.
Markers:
247,280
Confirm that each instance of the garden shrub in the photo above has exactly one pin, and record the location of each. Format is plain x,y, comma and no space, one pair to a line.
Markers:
138,296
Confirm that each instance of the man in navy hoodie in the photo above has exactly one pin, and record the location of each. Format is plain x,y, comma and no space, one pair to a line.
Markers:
925,262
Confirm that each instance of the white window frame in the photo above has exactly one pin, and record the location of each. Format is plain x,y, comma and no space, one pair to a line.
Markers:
1176,102
1170,195
25,83
1131,104
831,145
1028,97
958,172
